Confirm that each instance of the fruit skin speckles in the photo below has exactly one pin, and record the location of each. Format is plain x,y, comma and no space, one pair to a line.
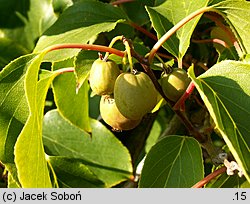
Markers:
102,76
135,95
175,83
112,116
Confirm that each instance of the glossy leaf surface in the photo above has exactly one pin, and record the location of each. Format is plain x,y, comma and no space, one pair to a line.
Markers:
102,152
168,14
79,24
225,91
173,162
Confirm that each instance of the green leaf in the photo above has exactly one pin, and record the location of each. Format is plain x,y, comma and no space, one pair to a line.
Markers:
136,11
60,5
78,24
103,153
13,181
94,106
158,2
225,91
14,114
71,102
9,50
14,109
139,47
173,162
161,124
29,152
168,14
219,33
83,62
23,21
140,140
224,53
225,181
228,54
237,14
73,173
135,139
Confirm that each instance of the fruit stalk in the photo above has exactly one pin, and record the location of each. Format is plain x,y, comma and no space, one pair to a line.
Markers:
128,50
114,40
156,83
146,66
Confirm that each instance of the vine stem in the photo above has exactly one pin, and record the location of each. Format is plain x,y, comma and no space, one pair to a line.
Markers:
65,70
114,40
208,178
143,30
184,97
212,40
171,57
150,73
118,2
168,34
229,33
203,66
192,130
99,48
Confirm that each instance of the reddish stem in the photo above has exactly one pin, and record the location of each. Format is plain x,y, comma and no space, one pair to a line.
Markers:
208,178
121,2
198,101
65,70
99,48
229,33
192,130
177,26
214,40
143,30
184,97
171,57
204,67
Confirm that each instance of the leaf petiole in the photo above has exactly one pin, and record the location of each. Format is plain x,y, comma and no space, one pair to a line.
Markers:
168,34
99,48
113,41
211,176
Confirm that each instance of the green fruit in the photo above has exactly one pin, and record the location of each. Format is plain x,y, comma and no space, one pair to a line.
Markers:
102,76
135,95
175,84
112,116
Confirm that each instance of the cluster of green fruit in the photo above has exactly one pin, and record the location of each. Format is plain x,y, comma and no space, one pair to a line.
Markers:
128,97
